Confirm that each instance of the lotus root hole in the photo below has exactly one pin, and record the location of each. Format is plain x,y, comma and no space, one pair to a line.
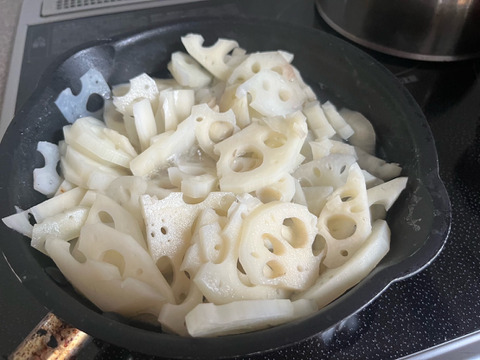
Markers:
275,140
273,269
294,232
341,226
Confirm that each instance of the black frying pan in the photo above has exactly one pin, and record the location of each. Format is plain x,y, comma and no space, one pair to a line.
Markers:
337,71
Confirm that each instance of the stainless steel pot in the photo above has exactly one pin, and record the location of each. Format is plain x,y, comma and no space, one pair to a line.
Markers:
432,30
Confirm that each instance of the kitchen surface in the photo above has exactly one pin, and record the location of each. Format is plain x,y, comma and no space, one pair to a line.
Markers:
434,314
9,17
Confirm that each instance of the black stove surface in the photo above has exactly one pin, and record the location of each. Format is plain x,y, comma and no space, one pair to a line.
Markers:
436,305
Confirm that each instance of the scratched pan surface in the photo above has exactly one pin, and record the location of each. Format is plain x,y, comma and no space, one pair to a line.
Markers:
419,221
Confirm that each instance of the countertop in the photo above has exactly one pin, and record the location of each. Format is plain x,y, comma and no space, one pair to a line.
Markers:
8,23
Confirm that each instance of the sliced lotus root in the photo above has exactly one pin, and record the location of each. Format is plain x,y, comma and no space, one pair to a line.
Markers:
273,60
331,170
212,58
271,94
211,127
279,246
344,222
141,87
260,154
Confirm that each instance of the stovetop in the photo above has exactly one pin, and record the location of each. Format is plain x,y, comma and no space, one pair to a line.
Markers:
431,308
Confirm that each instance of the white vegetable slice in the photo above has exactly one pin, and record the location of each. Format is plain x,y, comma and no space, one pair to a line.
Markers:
168,221
221,281
344,222
165,146
102,283
119,141
174,106
316,197
145,124
187,71
320,148
210,242
266,60
260,154
334,282
57,204
207,320
131,131
78,168
172,316
299,197
364,135
387,193
186,168
168,83
206,96
65,225
156,156
371,180
99,180
307,90
212,127
278,246
212,58
239,105
107,211
46,179
120,89
101,242
286,55
325,147
377,167
281,190
206,242
141,87
126,191
235,57
168,227
89,198
201,165
87,136
343,129
158,189
194,181
317,121
113,118
199,186
210,95
331,170
272,94
306,150
19,222
71,174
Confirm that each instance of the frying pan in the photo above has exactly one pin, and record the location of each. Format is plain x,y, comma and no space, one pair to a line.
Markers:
419,221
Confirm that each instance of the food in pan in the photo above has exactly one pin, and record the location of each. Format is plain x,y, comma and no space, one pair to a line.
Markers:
222,200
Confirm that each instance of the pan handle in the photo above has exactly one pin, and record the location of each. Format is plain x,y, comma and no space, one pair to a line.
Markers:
51,339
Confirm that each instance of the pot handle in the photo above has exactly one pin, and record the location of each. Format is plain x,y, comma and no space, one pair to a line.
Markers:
51,339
